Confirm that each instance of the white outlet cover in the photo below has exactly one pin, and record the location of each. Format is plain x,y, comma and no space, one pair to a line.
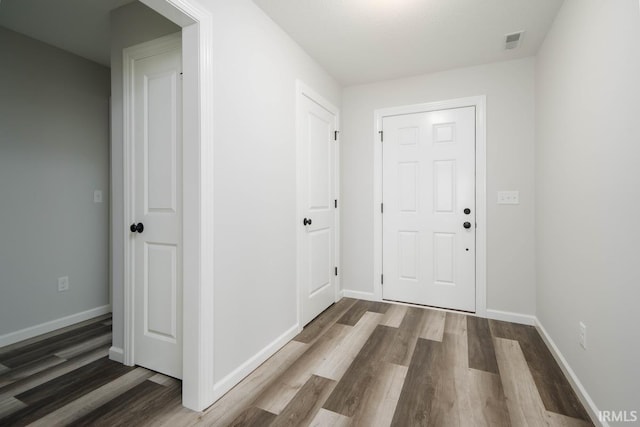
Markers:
97,196
511,197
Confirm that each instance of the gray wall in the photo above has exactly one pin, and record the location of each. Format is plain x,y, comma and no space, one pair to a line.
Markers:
588,194
132,24
54,152
509,87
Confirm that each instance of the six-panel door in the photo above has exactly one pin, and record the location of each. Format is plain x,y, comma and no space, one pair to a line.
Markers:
428,182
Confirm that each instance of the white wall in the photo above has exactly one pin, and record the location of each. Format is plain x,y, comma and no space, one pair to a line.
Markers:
509,87
256,66
132,24
588,194
54,152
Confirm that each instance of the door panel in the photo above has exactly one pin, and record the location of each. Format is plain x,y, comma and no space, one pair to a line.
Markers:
157,186
317,252
428,181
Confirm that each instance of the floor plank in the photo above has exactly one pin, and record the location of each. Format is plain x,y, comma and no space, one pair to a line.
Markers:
379,405
42,377
338,358
60,391
394,315
93,400
523,401
355,312
325,418
302,409
319,325
21,345
278,395
253,417
356,383
481,352
30,369
418,390
406,337
229,407
554,388
433,325
39,350
10,405
144,402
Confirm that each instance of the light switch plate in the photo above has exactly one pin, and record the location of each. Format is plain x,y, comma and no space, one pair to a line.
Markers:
97,196
508,197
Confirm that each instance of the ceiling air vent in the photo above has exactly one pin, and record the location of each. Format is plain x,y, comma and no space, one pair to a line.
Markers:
513,40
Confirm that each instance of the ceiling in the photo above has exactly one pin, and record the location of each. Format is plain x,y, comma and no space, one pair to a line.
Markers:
77,26
360,41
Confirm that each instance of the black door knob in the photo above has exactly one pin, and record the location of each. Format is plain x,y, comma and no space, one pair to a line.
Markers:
139,227
467,211
306,221
467,225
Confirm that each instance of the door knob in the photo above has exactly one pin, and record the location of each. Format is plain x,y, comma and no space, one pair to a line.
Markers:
467,225
139,227
306,221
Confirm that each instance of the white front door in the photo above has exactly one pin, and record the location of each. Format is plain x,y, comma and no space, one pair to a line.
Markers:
317,145
157,210
429,213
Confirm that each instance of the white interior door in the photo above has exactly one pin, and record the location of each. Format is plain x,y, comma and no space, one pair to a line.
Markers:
157,205
429,214
317,145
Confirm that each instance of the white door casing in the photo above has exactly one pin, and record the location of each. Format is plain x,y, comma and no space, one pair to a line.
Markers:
479,102
155,266
429,208
317,124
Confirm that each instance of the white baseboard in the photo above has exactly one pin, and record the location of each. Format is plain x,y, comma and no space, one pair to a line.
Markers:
368,296
116,354
584,397
228,382
508,316
43,328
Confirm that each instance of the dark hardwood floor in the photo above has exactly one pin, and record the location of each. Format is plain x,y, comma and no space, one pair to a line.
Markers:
359,363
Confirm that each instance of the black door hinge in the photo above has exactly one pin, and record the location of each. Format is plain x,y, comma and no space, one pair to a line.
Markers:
382,279
381,207
335,202
381,136
335,135
336,271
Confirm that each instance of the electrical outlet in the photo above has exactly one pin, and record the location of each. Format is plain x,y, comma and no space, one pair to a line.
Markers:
583,335
63,284
508,197
97,196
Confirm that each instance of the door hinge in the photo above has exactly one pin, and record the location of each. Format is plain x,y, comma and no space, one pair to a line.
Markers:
336,271
335,202
381,136
382,279
335,135
381,207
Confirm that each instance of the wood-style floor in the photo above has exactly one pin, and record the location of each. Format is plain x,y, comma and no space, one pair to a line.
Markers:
359,363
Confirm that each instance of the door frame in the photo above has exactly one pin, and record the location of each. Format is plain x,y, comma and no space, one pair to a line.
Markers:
303,90
479,102
197,188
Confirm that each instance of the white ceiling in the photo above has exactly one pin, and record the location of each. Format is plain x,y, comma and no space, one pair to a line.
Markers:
78,26
360,41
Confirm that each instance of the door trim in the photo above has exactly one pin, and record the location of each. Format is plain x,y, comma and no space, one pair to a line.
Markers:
303,90
197,240
481,189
